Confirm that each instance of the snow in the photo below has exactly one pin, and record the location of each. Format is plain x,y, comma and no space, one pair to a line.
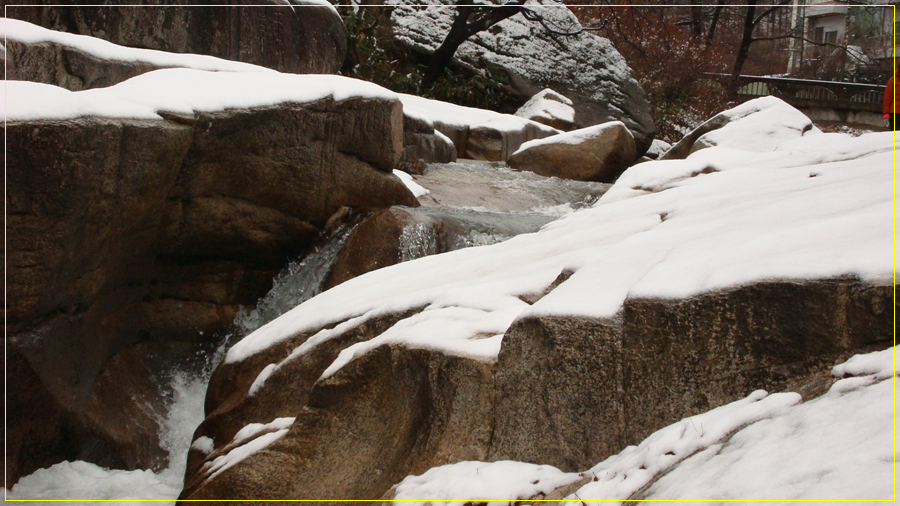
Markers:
204,444
621,475
548,104
249,440
414,187
21,31
88,482
759,125
458,116
469,482
181,90
575,137
819,206
839,446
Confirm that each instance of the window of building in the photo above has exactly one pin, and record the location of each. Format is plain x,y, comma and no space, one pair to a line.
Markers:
831,37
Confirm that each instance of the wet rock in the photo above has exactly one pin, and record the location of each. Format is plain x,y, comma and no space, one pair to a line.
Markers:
303,40
124,231
526,58
598,153
549,108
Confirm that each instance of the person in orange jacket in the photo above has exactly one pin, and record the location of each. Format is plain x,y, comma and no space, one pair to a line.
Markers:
892,98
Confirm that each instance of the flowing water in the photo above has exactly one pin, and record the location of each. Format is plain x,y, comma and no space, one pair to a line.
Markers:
484,202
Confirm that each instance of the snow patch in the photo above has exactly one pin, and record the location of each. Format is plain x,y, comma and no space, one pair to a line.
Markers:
416,189
458,116
183,91
467,482
575,137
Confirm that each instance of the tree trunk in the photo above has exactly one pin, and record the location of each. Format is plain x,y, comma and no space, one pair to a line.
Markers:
469,21
744,47
444,53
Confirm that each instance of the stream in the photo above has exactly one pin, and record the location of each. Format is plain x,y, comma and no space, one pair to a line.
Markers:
487,202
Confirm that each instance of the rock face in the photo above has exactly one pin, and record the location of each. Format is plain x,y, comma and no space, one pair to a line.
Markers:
525,57
551,109
566,391
598,153
67,67
662,361
77,62
422,142
155,231
299,39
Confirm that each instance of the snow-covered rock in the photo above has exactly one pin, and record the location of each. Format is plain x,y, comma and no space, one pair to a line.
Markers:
565,346
585,68
838,446
304,37
761,124
550,108
151,210
478,134
78,62
597,153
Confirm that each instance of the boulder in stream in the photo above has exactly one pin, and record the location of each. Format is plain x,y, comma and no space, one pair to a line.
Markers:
597,153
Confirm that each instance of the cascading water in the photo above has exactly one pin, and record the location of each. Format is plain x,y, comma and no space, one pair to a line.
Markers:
299,281
487,202
88,482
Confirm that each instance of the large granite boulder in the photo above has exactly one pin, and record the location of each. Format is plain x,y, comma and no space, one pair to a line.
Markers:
156,229
79,62
527,59
597,153
296,37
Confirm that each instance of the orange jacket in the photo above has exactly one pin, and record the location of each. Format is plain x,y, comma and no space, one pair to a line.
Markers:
892,90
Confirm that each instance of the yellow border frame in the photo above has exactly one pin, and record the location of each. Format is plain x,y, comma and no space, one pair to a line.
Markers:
5,249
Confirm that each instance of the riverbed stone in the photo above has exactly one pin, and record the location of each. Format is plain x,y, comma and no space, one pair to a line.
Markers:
549,108
599,153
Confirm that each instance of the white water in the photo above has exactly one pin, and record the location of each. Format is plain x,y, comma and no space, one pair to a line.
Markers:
83,481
